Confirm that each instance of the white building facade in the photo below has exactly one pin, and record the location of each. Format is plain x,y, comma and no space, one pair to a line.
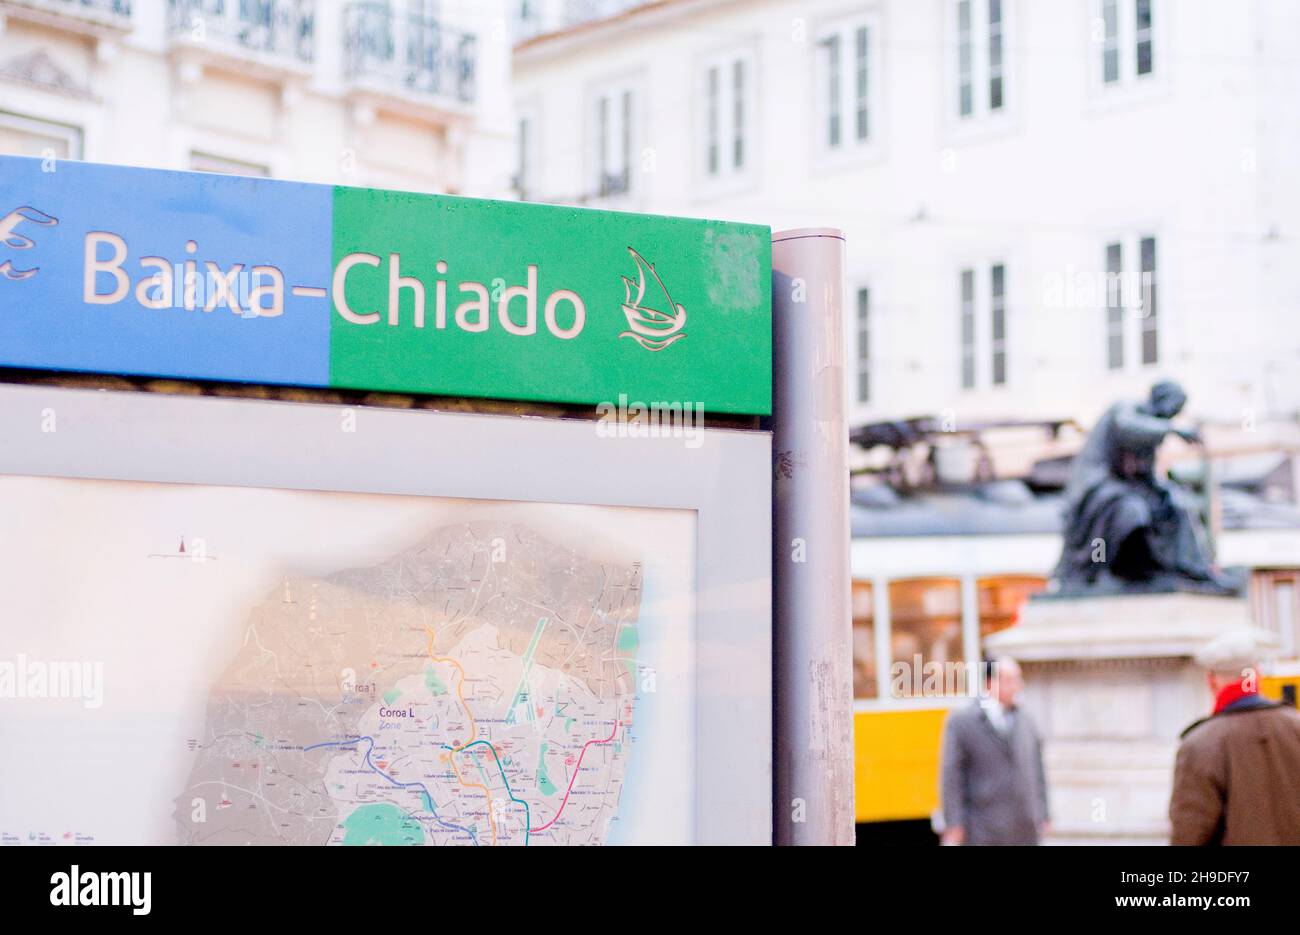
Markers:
1048,205
407,94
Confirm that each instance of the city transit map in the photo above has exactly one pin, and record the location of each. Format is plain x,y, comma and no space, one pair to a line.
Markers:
259,666
476,688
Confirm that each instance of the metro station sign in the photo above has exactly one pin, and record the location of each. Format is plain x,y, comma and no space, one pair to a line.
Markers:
197,276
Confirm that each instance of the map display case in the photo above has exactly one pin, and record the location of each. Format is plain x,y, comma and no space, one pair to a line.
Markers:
241,624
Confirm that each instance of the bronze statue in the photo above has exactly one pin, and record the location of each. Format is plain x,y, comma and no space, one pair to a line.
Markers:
1127,531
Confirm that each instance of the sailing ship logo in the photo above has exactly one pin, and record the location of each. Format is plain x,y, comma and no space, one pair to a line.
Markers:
13,240
652,328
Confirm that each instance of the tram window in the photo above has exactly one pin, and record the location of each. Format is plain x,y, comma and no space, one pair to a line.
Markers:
925,631
1001,599
864,641
1276,608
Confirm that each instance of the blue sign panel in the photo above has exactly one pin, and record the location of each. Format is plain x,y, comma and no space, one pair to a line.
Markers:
206,276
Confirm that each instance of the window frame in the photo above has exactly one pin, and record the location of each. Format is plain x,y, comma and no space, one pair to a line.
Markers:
1149,284
1124,43
1116,297
863,375
524,178
974,71
72,135
852,103
523,165
1127,293
733,116
968,327
628,93
984,322
998,342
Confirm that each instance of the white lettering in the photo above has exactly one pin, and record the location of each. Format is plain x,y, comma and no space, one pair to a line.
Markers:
160,283
579,314
529,294
396,283
340,284
113,266
275,289
479,305
225,286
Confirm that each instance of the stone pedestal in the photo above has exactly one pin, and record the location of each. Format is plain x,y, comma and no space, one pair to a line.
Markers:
1111,683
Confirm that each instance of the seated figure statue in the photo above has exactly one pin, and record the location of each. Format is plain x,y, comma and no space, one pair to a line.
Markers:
1126,530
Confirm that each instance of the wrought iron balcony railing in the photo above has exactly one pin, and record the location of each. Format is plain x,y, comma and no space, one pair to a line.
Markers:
274,29
408,52
115,13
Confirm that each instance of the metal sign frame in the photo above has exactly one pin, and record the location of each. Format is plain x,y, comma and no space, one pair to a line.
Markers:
253,443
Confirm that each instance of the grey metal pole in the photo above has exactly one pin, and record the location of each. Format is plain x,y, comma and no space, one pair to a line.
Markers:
812,642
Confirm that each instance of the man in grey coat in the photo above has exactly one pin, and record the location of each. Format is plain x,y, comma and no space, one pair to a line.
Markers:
991,778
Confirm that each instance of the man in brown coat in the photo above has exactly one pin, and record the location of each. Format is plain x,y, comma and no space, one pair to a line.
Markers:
1237,777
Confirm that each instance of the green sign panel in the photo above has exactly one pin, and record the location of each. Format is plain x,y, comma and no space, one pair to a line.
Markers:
472,298
199,276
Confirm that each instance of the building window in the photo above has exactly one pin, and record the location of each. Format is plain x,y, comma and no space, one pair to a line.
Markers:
847,84
968,329
864,641
206,162
521,172
1142,14
525,179
965,61
861,83
528,20
981,30
727,108
614,142
1150,320
998,314
1135,337
27,136
713,95
995,54
982,320
833,91
738,115
1110,40
1125,30
864,346
1115,306
983,309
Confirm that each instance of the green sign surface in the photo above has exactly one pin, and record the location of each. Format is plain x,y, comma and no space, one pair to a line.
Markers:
192,275
546,303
